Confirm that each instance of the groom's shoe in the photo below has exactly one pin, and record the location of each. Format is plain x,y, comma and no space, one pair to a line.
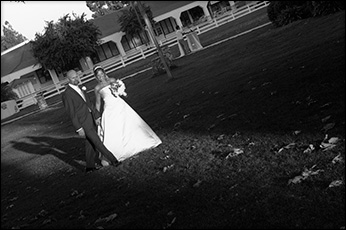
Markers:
88,170
116,164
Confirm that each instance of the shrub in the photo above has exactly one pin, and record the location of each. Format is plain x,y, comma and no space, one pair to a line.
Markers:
291,14
284,12
321,8
281,13
7,93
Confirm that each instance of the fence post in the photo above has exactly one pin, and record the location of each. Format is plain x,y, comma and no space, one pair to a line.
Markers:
142,52
198,30
215,21
122,61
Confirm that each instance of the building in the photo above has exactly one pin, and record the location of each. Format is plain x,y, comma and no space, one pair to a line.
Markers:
20,69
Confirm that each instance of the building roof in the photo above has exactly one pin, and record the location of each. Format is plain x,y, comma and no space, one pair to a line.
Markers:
108,24
22,57
161,7
17,59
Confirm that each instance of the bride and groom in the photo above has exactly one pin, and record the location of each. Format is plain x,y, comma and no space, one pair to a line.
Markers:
118,132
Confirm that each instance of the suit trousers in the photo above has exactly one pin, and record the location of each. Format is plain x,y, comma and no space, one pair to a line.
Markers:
93,144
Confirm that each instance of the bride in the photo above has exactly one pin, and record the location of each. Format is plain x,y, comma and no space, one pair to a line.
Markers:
122,130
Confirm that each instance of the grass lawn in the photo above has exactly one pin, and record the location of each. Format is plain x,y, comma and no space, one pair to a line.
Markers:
245,127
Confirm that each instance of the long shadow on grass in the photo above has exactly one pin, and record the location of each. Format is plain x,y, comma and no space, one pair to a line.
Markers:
69,150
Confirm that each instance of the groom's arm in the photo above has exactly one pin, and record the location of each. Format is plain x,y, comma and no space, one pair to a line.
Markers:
71,111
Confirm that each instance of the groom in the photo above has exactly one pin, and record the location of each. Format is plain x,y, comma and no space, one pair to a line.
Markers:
85,119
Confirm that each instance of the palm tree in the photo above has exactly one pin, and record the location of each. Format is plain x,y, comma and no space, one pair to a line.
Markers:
132,22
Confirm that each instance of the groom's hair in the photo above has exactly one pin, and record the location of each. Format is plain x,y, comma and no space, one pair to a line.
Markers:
70,72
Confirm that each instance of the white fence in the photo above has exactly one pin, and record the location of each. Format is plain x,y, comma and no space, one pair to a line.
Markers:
133,56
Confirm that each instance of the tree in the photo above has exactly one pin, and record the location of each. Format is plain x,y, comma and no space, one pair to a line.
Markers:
149,25
132,22
10,37
64,43
101,8
7,93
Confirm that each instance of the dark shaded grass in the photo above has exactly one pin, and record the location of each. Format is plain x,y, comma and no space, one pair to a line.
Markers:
256,90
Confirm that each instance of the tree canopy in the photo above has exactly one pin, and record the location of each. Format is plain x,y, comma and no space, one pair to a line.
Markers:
101,8
10,37
64,43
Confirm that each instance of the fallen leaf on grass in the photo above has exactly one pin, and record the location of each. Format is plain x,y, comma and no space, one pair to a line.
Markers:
47,221
329,144
305,174
289,146
219,116
296,180
186,116
333,140
335,183
309,149
10,206
164,158
338,158
236,134
172,222
197,184
221,137
325,119
43,213
328,127
13,199
21,226
235,152
107,219
325,105
167,167
211,126
177,125
297,132
81,215
74,192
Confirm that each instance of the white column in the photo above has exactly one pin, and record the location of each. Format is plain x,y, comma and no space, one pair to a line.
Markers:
89,62
177,19
54,78
206,11
83,64
120,48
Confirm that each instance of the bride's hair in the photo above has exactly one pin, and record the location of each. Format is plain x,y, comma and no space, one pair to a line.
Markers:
97,68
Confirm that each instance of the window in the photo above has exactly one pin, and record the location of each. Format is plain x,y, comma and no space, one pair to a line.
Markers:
165,26
43,75
130,42
158,30
105,51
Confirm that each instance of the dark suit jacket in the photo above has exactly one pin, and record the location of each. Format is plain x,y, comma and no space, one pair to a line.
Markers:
81,112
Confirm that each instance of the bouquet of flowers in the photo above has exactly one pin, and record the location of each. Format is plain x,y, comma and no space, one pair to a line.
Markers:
118,88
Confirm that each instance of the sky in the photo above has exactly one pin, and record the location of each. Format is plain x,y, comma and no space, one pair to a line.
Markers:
29,18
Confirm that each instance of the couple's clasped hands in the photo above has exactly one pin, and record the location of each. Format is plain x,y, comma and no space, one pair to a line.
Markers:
81,131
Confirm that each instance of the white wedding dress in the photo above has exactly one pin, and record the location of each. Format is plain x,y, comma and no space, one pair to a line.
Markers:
123,131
